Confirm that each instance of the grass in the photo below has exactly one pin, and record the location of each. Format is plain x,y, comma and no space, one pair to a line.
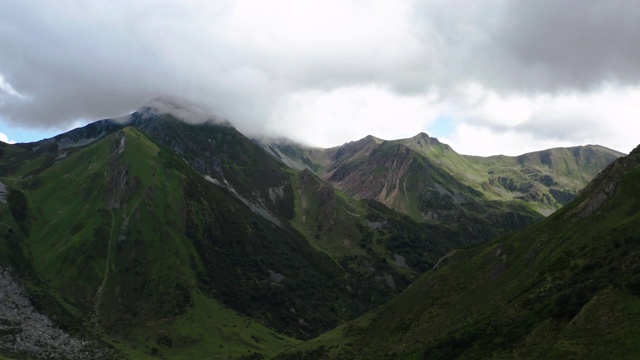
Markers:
326,217
135,202
545,180
208,330
566,287
186,258
428,191
174,240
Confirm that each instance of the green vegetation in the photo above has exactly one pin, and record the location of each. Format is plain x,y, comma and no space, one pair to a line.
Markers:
166,240
430,182
563,288
426,188
125,235
205,330
124,240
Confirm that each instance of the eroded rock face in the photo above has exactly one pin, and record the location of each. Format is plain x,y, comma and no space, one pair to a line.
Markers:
605,185
25,331
3,193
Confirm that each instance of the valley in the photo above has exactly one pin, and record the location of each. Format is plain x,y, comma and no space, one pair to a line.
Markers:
563,288
150,237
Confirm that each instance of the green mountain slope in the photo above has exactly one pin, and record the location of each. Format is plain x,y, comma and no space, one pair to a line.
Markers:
381,250
566,287
190,241
425,179
8,150
129,239
547,179
151,237
366,250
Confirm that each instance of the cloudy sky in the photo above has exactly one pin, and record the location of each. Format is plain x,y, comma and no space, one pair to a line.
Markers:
487,77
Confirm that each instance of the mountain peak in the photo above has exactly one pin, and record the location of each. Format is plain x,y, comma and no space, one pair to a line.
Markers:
422,135
370,139
422,139
180,109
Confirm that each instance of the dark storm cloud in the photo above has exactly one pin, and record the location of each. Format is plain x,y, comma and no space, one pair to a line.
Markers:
541,46
574,43
68,70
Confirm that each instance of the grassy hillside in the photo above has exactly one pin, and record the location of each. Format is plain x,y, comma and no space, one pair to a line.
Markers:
130,241
566,287
478,197
8,150
424,189
155,238
193,242
380,250
547,179
276,192
225,155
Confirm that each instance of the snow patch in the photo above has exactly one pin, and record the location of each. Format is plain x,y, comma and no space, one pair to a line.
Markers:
213,181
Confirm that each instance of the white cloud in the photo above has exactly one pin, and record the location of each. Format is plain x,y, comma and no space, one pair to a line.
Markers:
5,139
328,118
608,117
480,140
7,89
332,71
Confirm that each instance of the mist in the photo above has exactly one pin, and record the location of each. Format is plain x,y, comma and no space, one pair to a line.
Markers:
326,73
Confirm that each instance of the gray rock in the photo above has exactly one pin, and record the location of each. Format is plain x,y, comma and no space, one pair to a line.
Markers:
25,331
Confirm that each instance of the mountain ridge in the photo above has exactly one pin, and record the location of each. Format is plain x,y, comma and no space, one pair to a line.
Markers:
536,181
564,287
132,233
150,223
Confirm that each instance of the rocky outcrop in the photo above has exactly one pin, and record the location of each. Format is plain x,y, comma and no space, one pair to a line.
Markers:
25,331
3,193
605,185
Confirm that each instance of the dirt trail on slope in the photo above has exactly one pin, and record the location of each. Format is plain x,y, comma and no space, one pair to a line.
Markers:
99,294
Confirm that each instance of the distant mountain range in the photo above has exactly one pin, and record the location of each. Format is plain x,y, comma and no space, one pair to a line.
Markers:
149,237
567,287
479,197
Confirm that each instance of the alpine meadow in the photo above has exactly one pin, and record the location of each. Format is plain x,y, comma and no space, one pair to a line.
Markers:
151,237
319,180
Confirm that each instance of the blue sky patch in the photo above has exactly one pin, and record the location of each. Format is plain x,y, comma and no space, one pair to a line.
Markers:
442,127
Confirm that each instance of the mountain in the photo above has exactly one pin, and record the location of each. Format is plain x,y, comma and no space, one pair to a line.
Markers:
479,197
567,287
149,237
128,238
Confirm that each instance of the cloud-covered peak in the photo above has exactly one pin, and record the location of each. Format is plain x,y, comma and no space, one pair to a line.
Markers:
324,73
182,109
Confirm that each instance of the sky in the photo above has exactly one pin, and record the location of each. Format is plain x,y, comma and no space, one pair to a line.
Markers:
486,77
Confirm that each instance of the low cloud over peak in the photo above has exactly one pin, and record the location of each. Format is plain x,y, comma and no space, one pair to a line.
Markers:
329,72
